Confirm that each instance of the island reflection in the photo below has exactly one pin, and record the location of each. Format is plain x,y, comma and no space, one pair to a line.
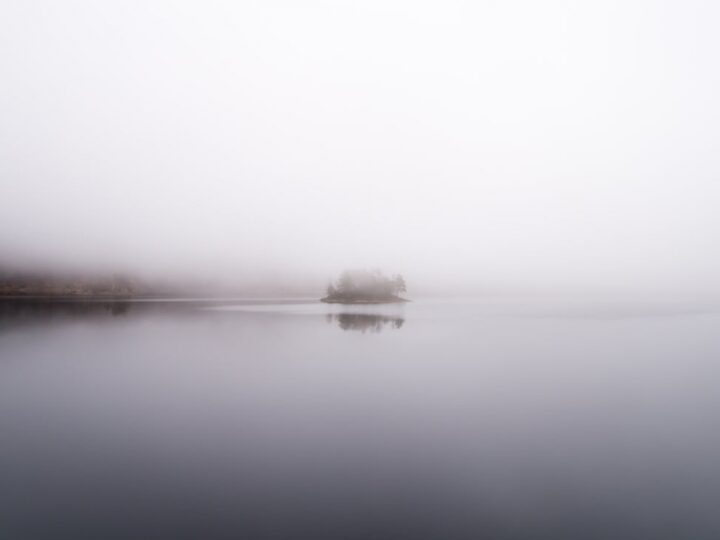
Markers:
365,322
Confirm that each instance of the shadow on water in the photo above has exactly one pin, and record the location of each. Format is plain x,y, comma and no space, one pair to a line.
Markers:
365,322
43,308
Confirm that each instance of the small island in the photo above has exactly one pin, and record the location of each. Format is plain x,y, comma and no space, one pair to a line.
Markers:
365,287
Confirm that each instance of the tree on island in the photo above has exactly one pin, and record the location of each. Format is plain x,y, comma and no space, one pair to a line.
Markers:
365,286
399,283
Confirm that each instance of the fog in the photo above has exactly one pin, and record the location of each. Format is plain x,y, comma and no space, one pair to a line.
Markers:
492,146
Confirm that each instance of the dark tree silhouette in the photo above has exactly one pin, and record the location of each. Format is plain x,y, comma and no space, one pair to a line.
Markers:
331,291
365,286
399,284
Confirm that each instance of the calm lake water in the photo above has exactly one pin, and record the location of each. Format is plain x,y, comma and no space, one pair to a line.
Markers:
440,419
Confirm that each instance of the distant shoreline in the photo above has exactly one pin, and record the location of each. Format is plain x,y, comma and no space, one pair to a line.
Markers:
46,296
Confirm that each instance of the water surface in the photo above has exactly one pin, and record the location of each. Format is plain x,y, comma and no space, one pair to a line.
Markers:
486,418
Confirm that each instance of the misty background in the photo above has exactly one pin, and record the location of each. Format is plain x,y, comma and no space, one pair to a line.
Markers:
511,145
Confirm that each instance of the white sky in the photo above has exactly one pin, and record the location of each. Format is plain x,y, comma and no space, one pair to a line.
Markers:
513,143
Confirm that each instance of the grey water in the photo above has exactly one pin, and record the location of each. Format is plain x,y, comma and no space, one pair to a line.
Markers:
507,418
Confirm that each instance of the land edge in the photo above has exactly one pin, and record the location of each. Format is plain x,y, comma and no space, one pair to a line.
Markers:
388,300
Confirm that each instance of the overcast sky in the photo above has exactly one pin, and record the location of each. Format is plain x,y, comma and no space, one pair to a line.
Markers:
486,143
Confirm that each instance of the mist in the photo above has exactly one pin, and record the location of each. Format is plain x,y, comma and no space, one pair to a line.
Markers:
485,146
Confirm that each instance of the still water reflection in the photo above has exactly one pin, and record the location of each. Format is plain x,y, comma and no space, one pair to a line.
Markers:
365,322
439,419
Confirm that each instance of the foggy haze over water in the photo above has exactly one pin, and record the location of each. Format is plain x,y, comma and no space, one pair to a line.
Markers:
179,181
469,145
